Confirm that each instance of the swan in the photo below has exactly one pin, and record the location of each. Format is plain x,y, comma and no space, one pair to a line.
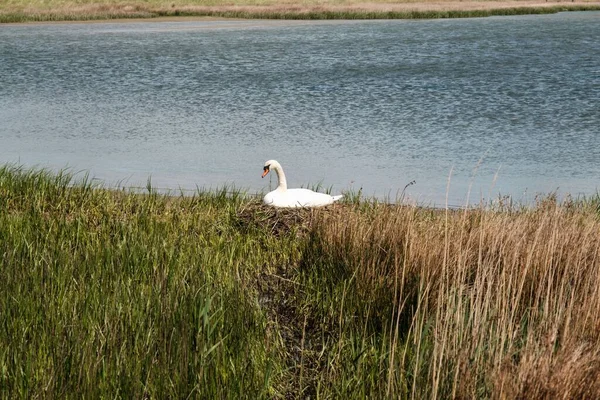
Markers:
284,197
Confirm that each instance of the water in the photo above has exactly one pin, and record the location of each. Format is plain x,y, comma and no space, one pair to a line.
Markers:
507,105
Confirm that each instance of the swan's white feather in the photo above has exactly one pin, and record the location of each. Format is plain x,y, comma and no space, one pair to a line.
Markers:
299,198
292,198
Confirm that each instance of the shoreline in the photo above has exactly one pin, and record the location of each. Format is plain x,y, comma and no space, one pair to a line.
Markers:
243,10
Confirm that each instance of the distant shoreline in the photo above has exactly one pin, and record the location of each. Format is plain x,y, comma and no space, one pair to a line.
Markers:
161,10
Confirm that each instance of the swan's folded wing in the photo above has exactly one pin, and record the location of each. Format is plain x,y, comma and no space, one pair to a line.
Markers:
308,198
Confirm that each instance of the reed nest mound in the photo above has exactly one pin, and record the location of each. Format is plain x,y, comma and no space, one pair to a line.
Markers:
282,221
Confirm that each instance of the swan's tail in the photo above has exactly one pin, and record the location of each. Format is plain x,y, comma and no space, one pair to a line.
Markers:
336,198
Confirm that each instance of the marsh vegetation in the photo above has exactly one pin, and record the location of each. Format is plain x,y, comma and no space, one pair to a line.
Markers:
110,293
61,10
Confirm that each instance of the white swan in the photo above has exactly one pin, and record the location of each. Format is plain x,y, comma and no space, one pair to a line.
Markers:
284,197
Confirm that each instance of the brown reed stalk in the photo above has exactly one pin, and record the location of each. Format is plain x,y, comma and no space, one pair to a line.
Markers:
508,301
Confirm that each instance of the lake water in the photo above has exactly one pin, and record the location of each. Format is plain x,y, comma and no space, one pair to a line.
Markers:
509,105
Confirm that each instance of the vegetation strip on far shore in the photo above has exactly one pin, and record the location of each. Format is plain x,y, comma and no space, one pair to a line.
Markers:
57,10
214,295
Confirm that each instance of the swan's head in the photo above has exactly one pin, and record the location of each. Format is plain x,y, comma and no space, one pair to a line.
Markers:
268,165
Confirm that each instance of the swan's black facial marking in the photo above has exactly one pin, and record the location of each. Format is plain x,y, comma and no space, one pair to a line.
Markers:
266,169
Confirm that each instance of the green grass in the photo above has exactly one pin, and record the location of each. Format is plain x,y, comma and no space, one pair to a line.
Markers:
137,295
115,294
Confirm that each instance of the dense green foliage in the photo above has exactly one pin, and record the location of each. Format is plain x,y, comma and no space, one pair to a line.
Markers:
115,293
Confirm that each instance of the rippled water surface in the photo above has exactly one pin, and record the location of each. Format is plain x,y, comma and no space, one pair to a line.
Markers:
509,104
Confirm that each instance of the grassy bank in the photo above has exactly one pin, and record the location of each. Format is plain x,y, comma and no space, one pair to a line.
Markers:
107,293
67,10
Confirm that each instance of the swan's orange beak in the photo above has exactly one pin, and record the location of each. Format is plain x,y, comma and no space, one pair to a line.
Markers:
265,172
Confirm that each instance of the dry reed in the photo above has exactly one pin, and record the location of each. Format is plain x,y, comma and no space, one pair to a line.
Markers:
58,10
477,303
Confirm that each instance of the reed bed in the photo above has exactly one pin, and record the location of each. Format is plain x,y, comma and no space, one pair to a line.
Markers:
482,303
115,294
57,10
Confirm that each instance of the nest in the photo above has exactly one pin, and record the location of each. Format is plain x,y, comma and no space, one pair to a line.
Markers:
277,221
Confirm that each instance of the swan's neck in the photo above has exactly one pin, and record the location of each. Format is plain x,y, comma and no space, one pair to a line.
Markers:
281,178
